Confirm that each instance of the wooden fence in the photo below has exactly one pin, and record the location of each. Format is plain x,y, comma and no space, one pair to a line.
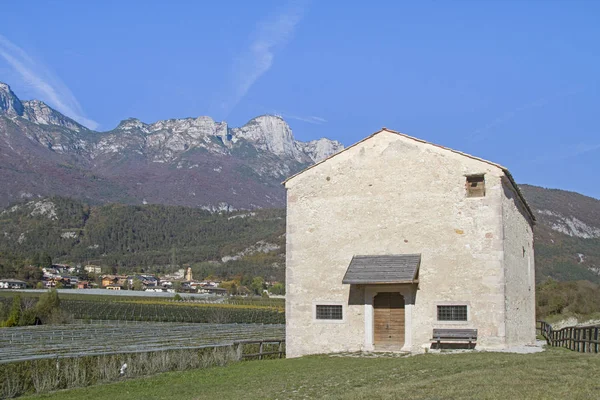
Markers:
265,348
584,339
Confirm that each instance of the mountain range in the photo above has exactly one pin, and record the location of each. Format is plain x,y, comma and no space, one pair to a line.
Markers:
200,163
194,162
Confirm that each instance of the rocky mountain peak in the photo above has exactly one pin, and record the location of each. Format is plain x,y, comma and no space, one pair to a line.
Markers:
271,133
320,149
35,111
40,113
9,102
132,123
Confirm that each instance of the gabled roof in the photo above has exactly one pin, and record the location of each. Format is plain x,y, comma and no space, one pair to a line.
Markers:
382,269
504,169
10,280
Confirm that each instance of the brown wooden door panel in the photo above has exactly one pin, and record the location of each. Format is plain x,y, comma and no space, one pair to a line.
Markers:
388,319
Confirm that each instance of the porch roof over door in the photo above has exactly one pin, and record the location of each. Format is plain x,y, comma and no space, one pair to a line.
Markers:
383,269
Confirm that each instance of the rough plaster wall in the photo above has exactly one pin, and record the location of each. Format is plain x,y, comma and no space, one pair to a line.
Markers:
393,195
519,271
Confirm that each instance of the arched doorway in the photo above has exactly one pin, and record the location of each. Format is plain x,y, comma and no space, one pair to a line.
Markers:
388,329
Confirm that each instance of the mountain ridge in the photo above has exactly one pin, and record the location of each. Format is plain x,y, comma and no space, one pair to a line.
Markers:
195,162
201,163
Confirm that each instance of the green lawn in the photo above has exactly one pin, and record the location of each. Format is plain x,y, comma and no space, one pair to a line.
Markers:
554,374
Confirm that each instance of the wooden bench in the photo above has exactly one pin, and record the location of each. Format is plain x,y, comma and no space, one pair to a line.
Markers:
454,335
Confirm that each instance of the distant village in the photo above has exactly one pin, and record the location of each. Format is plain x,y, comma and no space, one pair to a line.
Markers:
62,276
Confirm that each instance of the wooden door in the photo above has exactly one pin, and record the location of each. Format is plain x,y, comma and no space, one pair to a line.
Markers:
388,320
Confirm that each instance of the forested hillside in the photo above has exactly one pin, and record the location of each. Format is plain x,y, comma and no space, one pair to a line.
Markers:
567,234
159,238
147,237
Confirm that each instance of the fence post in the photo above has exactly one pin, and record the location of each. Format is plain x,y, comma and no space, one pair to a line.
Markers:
240,351
260,350
586,344
280,349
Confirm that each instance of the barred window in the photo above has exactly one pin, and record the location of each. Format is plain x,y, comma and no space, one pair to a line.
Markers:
452,313
329,312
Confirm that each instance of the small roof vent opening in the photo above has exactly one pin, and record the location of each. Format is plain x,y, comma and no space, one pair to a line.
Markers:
475,186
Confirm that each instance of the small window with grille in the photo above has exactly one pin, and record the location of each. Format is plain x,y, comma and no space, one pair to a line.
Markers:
329,312
475,186
452,313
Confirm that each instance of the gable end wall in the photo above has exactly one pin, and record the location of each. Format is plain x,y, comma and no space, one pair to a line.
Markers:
519,266
393,195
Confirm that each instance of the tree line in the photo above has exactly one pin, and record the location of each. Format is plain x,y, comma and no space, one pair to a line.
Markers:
127,238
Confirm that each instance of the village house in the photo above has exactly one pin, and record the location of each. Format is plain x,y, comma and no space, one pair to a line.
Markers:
50,273
394,240
92,269
212,290
113,280
12,284
64,282
146,280
83,285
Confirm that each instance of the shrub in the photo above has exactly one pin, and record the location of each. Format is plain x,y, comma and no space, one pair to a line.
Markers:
567,298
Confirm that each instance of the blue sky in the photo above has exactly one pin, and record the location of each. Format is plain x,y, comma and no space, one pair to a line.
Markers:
514,82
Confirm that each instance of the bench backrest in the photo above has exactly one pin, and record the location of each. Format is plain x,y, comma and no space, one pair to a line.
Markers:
455,333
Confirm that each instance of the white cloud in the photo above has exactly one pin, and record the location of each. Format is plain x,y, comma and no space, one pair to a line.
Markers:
311,119
271,33
46,86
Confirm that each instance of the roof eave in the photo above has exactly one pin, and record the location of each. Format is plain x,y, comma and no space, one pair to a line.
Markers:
398,282
519,194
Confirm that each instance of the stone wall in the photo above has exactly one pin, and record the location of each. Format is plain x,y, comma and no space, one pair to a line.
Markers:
391,194
519,270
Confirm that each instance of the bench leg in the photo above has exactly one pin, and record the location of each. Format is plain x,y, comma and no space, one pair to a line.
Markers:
438,345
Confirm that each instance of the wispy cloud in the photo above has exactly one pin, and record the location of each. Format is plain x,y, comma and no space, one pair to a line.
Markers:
46,86
575,150
311,119
270,34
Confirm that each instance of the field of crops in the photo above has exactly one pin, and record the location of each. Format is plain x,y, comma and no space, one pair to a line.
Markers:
165,312
32,342
215,311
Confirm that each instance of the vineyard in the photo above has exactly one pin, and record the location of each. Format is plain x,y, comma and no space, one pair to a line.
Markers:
27,343
150,334
165,312
214,311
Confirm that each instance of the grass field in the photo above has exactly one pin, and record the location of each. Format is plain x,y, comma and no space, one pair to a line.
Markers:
553,374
